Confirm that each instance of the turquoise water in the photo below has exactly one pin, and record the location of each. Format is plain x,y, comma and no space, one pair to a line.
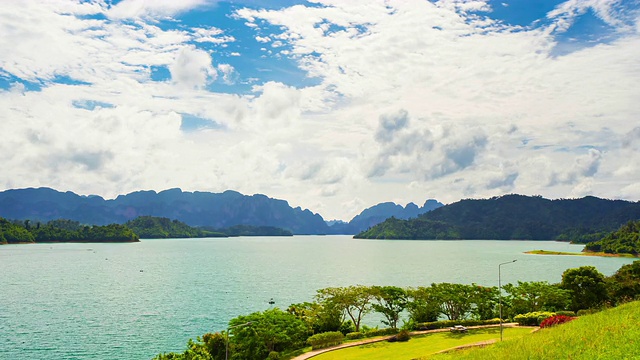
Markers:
132,301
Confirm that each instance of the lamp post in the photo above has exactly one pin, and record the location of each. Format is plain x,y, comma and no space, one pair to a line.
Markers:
500,293
226,350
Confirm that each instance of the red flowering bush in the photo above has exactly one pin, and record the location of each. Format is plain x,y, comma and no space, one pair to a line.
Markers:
555,320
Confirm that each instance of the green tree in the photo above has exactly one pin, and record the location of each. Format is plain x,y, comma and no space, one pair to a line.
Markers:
268,331
536,296
624,285
485,299
319,317
422,305
456,300
390,302
355,301
587,286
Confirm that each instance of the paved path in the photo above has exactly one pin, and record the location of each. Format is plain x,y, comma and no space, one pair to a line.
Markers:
313,353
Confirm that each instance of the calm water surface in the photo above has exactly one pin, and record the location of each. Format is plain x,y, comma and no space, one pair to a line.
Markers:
132,301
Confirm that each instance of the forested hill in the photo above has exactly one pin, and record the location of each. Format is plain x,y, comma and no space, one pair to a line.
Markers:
625,240
513,217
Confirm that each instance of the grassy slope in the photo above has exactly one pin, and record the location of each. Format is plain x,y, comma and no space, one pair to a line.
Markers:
611,334
418,346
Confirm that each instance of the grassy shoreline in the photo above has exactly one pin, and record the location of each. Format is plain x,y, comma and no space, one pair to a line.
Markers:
586,253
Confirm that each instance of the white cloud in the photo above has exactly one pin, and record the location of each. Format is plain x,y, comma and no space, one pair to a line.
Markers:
127,9
192,68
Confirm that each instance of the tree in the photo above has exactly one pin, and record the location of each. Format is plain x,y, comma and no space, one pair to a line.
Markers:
624,285
485,299
587,286
319,318
422,305
268,331
355,301
456,300
537,296
391,301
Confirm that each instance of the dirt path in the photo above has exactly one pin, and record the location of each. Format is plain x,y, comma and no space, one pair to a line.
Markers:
313,353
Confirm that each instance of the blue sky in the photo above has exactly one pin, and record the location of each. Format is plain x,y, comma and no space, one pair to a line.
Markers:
332,105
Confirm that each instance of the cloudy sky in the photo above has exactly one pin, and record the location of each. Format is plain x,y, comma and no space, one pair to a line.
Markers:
332,105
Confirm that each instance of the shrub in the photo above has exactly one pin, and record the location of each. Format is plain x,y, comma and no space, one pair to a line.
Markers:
587,311
325,339
274,355
556,320
403,335
354,335
380,332
532,318
449,323
566,313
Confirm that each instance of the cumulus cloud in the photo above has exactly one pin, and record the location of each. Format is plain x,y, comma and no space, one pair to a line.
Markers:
192,68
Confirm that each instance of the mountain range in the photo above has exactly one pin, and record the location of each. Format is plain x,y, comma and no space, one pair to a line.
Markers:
200,209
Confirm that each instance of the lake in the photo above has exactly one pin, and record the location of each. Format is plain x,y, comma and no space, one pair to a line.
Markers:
135,300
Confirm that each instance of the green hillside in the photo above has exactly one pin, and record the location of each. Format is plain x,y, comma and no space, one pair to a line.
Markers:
513,217
611,334
625,240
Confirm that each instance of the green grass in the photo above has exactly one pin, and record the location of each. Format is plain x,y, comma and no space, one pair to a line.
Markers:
612,334
419,345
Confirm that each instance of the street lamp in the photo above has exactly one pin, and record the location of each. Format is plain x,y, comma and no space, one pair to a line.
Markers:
226,350
500,293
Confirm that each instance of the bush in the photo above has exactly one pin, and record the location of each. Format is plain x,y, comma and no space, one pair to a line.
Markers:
325,339
380,332
532,318
274,355
587,311
403,336
449,323
354,335
556,320
566,313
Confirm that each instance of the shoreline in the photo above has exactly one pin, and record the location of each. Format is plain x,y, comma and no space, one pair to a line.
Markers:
587,253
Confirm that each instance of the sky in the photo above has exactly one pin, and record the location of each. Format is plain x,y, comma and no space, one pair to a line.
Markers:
332,105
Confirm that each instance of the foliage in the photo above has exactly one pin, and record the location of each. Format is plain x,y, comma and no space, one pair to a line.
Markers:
248,230
64,231
587,286
536,296
354,335
555,320
319,317
150,227
14,234
326,339
533,318
271,330
624,285
402,336
355,301
422,305
511,217
625,240
390,302
456,300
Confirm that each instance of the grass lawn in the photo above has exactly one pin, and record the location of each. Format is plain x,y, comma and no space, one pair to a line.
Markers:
613,334
419,345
